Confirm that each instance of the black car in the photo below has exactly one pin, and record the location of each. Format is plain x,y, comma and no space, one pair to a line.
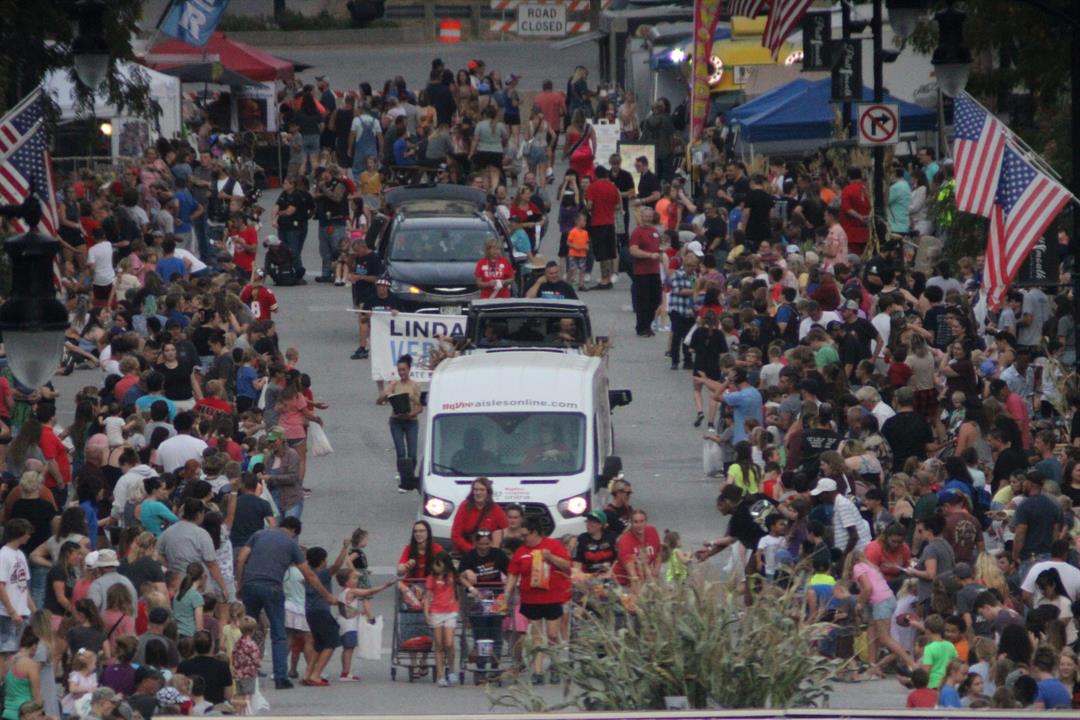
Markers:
431,243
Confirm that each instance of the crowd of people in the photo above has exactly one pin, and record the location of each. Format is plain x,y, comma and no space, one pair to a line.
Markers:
905,463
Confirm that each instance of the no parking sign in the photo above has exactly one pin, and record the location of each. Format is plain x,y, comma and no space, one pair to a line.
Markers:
879,124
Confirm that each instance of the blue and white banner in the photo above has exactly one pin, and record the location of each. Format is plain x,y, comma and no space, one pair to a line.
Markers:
193,21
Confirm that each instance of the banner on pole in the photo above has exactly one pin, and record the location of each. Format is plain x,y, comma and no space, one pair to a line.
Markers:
193,21
706,15
414,334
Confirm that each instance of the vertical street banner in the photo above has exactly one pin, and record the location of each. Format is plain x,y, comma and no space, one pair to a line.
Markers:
817,34
845,57
706,15
193,21
414,334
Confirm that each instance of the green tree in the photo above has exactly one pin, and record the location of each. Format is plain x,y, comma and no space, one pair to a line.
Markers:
693,639
35,38
1020,47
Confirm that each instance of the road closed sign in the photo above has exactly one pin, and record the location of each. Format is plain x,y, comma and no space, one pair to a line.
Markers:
879,124
541,20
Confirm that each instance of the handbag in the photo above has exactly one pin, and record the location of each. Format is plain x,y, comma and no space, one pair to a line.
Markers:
317,440
369,639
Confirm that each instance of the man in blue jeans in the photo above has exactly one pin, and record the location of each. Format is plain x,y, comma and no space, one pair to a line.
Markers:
260,568
332,209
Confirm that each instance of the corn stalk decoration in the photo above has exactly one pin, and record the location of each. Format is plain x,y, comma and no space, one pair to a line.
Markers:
693,639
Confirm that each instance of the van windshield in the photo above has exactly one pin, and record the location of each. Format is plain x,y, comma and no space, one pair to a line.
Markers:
474,444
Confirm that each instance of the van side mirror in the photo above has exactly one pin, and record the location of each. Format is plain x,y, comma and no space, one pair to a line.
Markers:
612,469
619,398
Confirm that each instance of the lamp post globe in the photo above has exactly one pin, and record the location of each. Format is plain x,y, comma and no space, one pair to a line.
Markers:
89,49
33,319
904,16
952,58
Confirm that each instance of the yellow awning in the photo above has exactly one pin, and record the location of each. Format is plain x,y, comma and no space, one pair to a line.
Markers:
749,51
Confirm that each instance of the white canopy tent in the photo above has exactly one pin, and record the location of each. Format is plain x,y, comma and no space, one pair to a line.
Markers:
129,132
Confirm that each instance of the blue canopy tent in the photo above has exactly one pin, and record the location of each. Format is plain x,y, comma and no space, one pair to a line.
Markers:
797,116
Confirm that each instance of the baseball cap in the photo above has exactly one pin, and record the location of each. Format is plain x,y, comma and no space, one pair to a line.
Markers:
695,247
104,558
963,571
158,615
275,433
851,305
824,485
792,250
597,515
834,325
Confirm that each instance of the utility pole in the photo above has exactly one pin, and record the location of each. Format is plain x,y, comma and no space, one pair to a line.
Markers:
879,96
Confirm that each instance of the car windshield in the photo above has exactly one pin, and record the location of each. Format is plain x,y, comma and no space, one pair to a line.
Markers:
432,243
530,331
500,444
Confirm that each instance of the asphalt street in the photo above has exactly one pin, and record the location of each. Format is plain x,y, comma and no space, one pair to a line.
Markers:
354,487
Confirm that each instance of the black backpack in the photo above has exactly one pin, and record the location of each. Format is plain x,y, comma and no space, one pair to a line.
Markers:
217,209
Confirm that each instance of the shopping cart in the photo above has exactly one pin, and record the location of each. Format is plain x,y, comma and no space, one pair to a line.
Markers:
411,646
486,647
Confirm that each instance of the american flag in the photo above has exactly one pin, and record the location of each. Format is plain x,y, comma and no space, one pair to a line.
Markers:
1025,204
784,16
745,8
25,164
977,152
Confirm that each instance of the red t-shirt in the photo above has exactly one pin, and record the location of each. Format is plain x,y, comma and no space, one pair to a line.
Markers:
467,521
520,214
262,305
443,594
922,698
603,199
558,589
242,256
212,407
899,374
89,226
6,397
631,550
53,449
122,386
890,564
647,238
420,571
855,197
498,269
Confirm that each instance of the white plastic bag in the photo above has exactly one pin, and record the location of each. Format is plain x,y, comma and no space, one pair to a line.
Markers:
257,703
712,457
261,404
317,440
689,336
369,639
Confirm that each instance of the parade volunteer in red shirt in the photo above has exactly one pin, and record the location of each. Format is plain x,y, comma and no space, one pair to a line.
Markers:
645,245
53,450
478,512
638,551
494,273
258,297
855,211
415,561
541,567
245,240
603,199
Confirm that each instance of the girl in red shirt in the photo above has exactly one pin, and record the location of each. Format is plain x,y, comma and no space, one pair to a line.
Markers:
478,512
441,611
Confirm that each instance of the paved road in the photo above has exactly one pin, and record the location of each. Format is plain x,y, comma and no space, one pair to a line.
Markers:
355,486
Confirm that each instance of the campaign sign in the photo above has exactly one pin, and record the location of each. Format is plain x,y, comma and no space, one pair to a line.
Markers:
415,334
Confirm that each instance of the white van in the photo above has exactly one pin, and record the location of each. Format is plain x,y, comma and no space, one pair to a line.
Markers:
537,422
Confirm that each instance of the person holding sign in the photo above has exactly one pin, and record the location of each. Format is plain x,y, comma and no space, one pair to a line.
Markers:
403,395
494,273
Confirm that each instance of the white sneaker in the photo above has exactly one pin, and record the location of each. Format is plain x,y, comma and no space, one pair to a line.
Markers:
588,278
452,679
442,682
614,278
666,327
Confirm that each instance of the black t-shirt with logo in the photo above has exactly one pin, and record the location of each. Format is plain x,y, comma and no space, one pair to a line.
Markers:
374,303
748,519
558,290
596,556
489,569
371,265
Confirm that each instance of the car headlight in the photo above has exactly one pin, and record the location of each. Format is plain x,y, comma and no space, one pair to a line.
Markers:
437,507
574,507
396,286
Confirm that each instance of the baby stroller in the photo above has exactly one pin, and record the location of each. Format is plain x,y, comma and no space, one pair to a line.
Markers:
279,263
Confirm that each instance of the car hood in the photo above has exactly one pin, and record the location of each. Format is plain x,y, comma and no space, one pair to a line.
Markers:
426,273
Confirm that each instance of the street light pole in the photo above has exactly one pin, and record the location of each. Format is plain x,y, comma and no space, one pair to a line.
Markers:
879,96
845,30
1074,238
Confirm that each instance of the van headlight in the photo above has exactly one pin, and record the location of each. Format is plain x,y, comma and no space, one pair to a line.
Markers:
437,507
574,506
403,288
